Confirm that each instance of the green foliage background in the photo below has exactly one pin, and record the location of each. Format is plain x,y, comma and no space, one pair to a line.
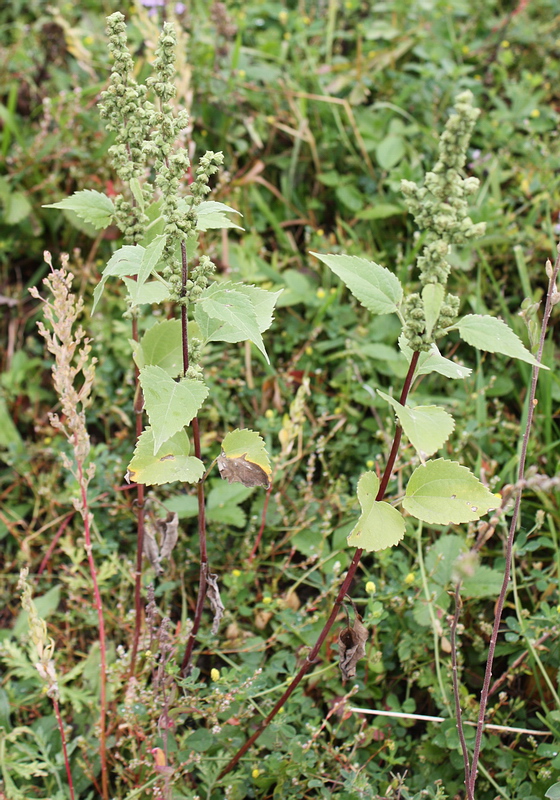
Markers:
320,108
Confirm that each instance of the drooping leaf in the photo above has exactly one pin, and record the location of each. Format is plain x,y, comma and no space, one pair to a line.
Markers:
170,404
493,335
150,258
153,292
93,207
172,461
213,594
244,459
427,427
167,531
378,289
444,492
380,525
351,647
433,361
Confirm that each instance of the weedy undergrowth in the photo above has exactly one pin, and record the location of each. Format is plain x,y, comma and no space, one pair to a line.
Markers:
160,212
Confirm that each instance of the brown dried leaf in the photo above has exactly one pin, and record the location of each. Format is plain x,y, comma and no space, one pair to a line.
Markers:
351,647
213,594
169,533
151,549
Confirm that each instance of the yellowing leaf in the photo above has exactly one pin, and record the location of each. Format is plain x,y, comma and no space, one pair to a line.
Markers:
380,525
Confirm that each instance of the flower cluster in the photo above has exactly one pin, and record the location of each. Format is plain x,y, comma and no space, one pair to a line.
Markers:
440,208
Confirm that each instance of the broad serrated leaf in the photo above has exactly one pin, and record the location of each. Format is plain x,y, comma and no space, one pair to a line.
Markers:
433,361
223,504
244,459
380,525
125,261
211,214
151,258
486,582
161,346
378,289
171,462
234,311
493,335
146,293
432,298
444,492
93,207
170,404
427,427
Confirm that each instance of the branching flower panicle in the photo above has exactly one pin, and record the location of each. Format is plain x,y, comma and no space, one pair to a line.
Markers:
440,209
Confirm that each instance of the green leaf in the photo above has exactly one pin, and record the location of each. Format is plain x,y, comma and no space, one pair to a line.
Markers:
161,346
126,261
427,427
443,492
493,335
390,151
211,214
223,504
553,792
432,297
381,211
153,292
137,193
170,405
486,582
171,462
17,207
234,312
263,302
244,459
151,258
374,286
200,741
380,525
9,434
442,556
433,361
93,207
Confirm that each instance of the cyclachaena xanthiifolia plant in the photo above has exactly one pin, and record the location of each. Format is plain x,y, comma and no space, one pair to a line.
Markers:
439,491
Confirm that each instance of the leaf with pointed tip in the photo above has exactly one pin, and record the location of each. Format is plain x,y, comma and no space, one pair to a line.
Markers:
125,261
493,335
432,298
427,427
433,361
444,492
211,214
170,404
152,292
93,207
378,289
380,525
171,462
161,346
235,313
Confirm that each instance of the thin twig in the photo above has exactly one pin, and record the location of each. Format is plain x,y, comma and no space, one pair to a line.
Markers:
454,663
64,748
551,299
310,660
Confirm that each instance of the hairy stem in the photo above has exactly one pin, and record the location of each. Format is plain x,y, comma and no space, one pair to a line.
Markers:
550,300
203,575
138,609
343,591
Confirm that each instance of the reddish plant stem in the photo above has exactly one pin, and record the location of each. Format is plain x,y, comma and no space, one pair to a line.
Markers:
343,591
64,748
86,516
511,533
203,574
456,696
138,609
53,544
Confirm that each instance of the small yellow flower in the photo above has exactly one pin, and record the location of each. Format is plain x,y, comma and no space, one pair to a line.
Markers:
287,36
321,293
283,17
478,77
558,608
267,599
320,232
370,463
465,49
505,44
241,73
306,20
337,410
88,40
269,413
333,290
255,773
371,53
215,674
410,578
308,350
236,573
281,710
535,113
370,587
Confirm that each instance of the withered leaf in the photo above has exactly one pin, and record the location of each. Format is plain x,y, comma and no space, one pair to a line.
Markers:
169,533
168,530
351,647
213,594
151,549
240,470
